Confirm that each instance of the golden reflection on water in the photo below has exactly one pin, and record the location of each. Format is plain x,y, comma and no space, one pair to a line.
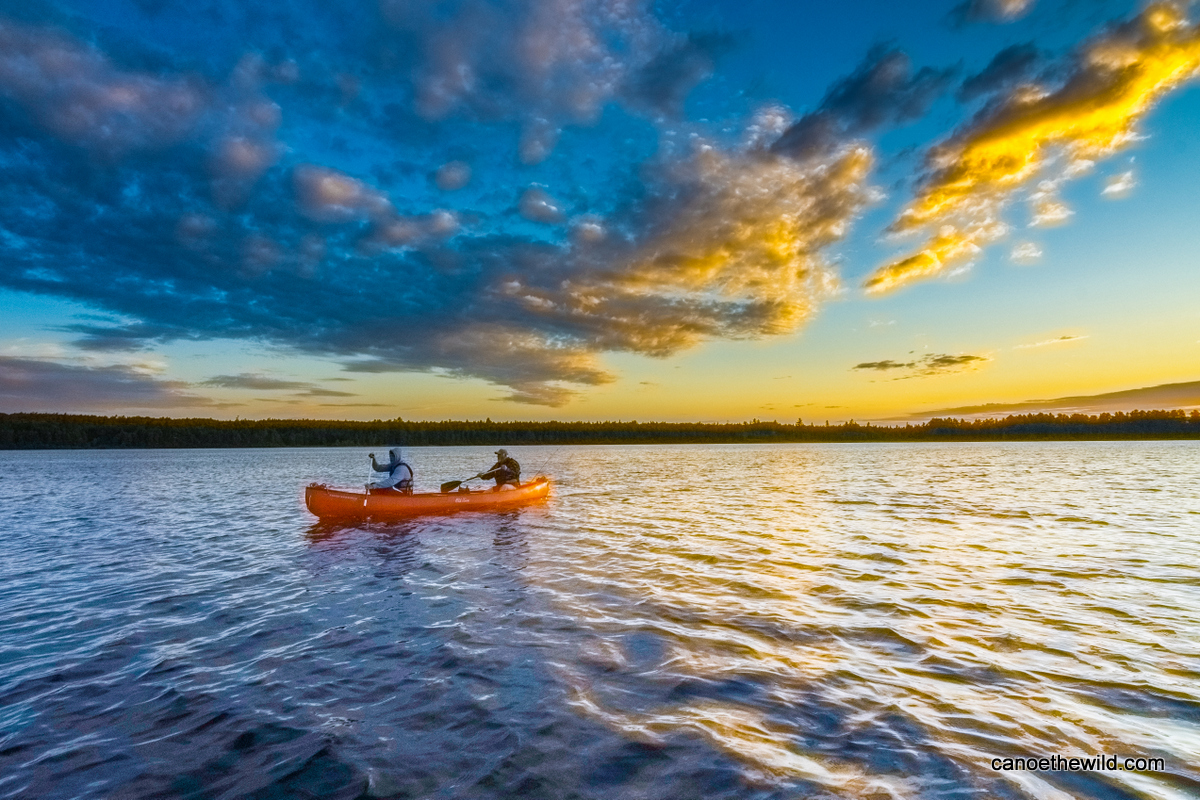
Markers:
809,610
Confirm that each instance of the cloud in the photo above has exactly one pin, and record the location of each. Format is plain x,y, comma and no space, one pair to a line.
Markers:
28,384
1026,252
1012,65
941,364
663,84
80,97
130,336
1045,135
327,393
885,365
721,244
336,243
1164,396
538,206
452,176
326,195
928,366
256,382
248,380
1119,185
74,91
883,90
1049,211
732,243
971,11
546,63
1048,342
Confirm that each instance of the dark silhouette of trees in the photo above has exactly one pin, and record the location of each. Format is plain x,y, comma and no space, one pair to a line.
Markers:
68,431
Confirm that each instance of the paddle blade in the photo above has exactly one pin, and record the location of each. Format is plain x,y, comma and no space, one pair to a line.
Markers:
450,486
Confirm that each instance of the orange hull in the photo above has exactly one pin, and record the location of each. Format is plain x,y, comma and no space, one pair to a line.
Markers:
328,503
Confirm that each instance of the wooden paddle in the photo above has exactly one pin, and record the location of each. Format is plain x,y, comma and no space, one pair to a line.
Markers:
450,486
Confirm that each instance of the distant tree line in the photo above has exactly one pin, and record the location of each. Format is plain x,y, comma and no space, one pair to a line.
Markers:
69,431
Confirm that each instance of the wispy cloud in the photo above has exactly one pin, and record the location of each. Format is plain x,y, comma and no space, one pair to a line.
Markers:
942,364
1119,185
928,366
883,366
1048,342
28,384
989,11
327,393
1042,135
354,405
1049,211
264,383
1026,252
248,380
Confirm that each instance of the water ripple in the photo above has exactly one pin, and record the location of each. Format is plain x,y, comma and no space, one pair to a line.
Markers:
857,621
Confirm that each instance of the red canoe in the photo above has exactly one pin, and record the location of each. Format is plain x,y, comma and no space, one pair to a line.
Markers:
328,503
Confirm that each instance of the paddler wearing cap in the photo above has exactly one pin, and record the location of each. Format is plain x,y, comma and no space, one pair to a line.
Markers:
506,470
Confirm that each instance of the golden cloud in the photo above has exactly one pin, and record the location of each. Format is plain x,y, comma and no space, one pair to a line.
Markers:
728,244
753,230
731,247
1118,78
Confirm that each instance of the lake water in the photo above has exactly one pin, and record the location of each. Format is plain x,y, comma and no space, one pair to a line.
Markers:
842,621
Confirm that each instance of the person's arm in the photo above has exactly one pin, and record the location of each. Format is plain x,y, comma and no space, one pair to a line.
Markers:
491,472
375,466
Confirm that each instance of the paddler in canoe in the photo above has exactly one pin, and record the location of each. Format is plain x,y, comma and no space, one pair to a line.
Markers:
506,471
399,474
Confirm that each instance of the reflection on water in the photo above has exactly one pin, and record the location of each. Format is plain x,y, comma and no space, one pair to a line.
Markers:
859,621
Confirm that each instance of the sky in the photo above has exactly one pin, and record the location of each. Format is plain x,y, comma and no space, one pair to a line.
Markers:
598,209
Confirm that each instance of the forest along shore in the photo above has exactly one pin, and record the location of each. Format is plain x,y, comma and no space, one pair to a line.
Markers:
70,431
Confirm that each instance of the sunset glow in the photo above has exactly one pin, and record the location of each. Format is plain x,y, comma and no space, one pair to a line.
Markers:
582,209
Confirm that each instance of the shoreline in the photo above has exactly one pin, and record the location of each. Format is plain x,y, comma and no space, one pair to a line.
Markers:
33,431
